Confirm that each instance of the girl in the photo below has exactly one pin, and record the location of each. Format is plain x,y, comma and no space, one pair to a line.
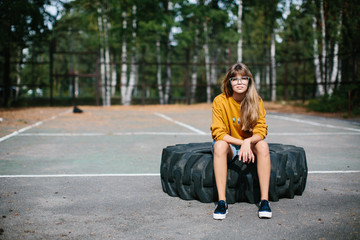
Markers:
238,129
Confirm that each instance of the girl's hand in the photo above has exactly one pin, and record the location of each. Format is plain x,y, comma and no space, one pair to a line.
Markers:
246,154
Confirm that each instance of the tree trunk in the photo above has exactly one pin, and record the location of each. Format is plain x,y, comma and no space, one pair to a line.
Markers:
320,87
18,75
239,25
104,26
76,84
123,62
158,74
113,76
214,66
194,68
107,63
168,72
267,77
133,70
335,71
273,68
102,60
257,80
323,46
207,64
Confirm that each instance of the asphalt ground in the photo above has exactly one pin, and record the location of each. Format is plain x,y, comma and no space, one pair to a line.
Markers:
95,175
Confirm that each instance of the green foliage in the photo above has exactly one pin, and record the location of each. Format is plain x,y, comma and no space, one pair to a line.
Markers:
344,99
78,29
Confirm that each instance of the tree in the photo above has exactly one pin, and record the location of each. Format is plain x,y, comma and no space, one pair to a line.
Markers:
104,28
21,22
130,85
239,25
330,23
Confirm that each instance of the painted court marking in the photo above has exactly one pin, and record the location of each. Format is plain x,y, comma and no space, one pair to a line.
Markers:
194,130
31,126
108,134
83,175
176,134
313,123
140,174
180,123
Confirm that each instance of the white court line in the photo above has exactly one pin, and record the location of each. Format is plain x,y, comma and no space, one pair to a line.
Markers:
180,123
107,134
176,134
83,175
31,126
158,133
313,133
326,172
20,131
62,134
139,174
313,123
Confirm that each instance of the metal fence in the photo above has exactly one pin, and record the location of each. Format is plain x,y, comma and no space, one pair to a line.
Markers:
52,77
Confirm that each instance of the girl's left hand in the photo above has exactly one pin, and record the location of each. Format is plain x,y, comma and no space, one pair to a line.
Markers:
245,153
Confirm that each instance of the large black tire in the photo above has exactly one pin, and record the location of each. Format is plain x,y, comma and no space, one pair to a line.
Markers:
187,172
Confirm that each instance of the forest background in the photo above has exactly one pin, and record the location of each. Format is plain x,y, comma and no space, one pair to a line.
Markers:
111,52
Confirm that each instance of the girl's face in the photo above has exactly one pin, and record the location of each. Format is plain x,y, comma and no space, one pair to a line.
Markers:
239,83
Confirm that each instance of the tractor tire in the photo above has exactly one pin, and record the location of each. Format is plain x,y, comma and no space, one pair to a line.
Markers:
187,172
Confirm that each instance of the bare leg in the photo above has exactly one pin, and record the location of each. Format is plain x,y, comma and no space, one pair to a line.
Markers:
261,150
221,152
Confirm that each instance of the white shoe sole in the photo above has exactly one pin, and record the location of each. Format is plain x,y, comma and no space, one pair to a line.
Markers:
218,216
265,214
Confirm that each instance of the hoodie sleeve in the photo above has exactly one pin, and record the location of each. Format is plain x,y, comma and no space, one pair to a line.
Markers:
218,127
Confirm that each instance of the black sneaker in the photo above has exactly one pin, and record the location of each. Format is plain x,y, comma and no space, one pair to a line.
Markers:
221,210
264,209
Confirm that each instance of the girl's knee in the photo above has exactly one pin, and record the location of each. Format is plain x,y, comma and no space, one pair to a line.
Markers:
221,147
262,147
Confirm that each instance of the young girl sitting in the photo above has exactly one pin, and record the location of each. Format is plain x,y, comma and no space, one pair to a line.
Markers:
238,129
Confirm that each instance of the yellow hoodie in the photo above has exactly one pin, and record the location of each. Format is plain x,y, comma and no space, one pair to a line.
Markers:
226,117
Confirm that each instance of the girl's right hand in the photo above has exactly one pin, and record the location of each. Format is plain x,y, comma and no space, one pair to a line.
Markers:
245,153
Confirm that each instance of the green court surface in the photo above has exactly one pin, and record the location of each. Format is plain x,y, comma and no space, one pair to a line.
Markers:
96,176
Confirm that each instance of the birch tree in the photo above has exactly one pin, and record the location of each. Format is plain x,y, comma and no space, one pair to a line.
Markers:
168,8
133,70
18,74
335,67
207,62
113,77
124,61
158,74
273,67
239,30
320,87
194,67
104,56
168,72
323,46
107,63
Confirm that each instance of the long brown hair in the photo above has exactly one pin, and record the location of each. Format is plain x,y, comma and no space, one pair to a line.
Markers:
249,108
